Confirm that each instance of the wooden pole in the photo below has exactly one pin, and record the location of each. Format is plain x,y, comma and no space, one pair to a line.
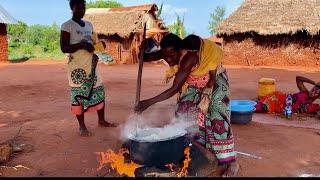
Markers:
138,92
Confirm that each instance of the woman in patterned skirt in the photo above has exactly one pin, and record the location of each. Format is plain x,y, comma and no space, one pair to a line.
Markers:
87,91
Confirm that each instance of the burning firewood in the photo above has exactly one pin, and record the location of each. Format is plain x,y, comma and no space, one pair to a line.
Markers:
183,171
117,162
172,174
154,172
120,163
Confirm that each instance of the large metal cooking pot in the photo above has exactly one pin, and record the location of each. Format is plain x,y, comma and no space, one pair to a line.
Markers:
159,152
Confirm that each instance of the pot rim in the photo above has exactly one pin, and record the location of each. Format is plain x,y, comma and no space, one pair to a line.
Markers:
158,140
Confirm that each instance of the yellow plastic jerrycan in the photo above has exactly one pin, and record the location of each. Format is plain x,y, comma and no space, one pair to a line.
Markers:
266,86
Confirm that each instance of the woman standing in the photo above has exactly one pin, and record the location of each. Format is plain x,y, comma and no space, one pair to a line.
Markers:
87,90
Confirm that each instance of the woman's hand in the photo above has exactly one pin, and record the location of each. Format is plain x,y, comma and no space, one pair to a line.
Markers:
87,46
204,103
205,100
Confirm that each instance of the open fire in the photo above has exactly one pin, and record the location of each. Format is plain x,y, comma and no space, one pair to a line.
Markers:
117,162
183,171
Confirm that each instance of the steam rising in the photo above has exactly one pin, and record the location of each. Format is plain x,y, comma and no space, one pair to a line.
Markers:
136,128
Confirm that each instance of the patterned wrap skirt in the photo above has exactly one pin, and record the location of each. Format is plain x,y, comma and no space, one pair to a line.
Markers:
87,90
213,129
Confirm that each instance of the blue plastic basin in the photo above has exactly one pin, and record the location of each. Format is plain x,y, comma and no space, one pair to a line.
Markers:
242,106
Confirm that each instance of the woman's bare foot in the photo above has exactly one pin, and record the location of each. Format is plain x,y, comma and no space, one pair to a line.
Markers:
231,170
106,124
84,132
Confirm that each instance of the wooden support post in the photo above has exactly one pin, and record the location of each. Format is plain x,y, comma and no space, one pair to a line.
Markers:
138,92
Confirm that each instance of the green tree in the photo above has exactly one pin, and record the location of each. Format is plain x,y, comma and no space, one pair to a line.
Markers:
103,4
51,38
215,19
160,11
45,36
40,41
178,27
16,33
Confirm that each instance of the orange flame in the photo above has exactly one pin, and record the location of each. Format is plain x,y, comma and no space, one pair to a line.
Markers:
182,172
117,162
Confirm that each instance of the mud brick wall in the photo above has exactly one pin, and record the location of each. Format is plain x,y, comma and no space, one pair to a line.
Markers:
300,49
112,48
3,43
248,54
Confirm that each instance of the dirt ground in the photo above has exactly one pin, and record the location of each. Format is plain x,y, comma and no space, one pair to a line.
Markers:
35,96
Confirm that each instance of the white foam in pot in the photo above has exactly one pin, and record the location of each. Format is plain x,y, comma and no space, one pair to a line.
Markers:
156,134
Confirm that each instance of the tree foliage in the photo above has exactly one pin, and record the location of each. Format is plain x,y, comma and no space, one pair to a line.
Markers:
103,4
215,19
45,36
17,32
40,41
178,27
160,11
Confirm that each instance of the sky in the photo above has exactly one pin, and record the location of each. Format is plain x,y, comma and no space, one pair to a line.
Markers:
196,12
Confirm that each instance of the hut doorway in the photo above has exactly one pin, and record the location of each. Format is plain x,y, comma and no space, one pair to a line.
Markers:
125,51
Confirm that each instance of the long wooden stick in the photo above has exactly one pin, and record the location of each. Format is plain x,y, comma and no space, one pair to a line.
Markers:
249,155
138,92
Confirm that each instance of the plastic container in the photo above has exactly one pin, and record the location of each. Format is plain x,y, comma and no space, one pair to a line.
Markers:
266,86
288,107
242,105
241,117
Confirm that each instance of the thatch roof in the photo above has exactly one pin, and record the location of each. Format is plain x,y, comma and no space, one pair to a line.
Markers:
5,17
270,17
119,21
146,7
121,24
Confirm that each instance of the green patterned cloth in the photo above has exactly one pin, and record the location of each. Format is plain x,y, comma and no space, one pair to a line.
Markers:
214,131
87,90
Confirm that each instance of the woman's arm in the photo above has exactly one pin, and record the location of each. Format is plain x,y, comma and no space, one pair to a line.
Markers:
67,48
300,80
184,71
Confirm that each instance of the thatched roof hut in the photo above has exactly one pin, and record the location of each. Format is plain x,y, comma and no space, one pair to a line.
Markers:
125,26
121,24
5,18
268,17
269,26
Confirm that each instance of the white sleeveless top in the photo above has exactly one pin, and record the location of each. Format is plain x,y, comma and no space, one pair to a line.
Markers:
77,33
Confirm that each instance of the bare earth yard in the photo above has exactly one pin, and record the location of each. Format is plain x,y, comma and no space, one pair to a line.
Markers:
35,95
